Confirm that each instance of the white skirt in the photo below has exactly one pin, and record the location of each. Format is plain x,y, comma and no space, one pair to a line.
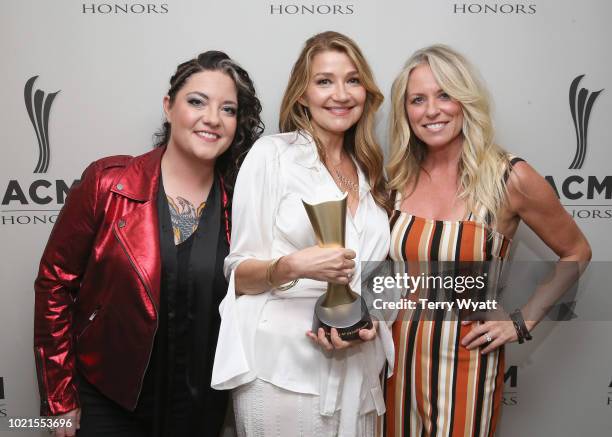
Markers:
265,410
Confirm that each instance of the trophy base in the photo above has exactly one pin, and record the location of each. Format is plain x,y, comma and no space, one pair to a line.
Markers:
348,318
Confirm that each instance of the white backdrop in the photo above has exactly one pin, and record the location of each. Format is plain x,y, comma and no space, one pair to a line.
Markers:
112,67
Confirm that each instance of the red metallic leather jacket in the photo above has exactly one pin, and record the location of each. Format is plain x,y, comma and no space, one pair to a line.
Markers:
98,286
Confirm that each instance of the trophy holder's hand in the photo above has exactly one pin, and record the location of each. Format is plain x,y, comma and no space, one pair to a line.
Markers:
335,342
328,264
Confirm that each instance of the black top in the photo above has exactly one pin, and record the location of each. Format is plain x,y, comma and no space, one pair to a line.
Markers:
176,396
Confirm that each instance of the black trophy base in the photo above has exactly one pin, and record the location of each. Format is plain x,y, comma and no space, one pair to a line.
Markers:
348,318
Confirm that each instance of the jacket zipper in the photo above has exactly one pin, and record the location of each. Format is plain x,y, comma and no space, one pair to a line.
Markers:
90,319
42,378
94,314
156,312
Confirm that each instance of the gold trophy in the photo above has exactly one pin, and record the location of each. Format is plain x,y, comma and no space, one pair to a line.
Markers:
340,307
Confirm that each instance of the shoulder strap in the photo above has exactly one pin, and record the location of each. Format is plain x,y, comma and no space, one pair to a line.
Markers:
397,199
513,161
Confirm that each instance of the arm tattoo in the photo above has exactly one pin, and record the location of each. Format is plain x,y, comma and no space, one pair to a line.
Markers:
185,217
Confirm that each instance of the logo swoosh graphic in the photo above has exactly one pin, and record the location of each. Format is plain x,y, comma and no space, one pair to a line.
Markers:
39,108
572,103
587,115
38,102
582,96
581,104
27,95
46,112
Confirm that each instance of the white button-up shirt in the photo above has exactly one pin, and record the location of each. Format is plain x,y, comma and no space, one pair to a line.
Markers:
264,335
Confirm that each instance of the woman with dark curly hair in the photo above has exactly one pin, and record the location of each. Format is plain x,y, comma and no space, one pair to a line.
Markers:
126,317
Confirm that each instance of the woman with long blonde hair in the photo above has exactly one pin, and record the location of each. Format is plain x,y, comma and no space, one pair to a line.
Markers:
311,384
458,197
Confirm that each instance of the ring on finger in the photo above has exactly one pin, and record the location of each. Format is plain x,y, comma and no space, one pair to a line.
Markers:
487,337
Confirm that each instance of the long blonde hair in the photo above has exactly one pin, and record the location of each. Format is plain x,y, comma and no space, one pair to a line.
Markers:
360,140
482,164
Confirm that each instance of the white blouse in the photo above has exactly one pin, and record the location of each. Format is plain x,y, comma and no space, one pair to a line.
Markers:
264,335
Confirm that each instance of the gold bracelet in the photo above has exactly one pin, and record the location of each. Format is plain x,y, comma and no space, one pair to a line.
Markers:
270,270
288,285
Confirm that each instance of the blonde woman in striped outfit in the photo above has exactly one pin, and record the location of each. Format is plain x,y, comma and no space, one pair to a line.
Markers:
459,197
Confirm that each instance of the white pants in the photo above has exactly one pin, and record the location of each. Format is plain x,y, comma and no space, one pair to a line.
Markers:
265,410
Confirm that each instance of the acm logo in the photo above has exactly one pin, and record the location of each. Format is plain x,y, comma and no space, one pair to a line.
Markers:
590,195
39,109
510,395
581,104
20,195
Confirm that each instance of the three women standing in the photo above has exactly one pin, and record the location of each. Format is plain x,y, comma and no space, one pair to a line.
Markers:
129,283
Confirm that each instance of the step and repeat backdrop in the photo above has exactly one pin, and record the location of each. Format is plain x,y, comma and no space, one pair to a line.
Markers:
85,79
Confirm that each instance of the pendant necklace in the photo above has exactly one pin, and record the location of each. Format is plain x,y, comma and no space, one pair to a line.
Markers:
346,182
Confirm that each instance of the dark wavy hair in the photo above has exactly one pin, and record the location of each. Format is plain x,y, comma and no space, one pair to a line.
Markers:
249,126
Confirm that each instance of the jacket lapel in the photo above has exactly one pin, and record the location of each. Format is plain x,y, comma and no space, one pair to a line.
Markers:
137,230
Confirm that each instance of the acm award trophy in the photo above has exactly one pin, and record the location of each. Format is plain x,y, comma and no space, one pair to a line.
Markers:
340,307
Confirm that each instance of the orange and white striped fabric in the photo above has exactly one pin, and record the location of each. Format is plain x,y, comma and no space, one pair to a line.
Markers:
439,388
